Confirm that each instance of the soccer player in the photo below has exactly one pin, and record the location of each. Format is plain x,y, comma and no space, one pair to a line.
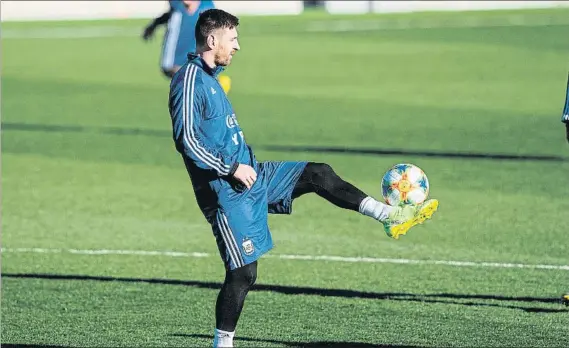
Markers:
565,119
233,190
179,38
565,115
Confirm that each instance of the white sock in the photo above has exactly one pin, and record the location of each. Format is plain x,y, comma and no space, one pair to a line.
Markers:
377,210
222,338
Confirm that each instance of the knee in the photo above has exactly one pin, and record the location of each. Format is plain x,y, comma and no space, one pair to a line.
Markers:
169,71
245,276
250,274
319,171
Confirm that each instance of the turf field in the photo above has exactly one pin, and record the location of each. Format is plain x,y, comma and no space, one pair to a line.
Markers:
104,245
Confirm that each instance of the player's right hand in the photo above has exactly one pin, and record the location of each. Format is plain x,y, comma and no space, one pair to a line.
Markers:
148,32
246,175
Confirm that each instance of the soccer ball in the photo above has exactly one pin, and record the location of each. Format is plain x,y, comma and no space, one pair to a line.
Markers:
225,83
405,184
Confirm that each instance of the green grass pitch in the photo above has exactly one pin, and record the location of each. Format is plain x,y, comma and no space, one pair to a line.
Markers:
88,165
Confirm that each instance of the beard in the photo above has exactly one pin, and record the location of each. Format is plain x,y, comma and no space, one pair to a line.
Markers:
223,59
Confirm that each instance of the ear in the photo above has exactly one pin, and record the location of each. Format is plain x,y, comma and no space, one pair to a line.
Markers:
211,41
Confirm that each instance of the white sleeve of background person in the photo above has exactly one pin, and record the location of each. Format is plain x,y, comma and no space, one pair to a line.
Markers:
171,41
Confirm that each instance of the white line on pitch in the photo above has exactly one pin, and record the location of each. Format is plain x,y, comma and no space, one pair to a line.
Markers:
434,23
290,257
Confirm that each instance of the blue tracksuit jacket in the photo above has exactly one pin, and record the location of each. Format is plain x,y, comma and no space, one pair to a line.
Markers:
205,130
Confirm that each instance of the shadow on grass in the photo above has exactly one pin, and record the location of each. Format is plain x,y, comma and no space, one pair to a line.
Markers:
247,339
437,298
14,126
17,345
330,344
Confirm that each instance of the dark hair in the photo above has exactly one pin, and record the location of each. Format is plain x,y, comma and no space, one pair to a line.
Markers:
211,20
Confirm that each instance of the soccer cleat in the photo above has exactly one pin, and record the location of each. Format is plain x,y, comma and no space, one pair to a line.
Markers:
402,218
565,299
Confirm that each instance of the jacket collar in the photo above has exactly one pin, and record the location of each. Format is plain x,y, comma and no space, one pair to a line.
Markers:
197,60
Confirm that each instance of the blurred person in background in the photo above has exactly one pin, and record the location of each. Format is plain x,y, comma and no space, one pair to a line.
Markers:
565,116
565,119
149,30
179,39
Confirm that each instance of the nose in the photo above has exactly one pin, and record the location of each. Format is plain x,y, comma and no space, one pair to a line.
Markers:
236,47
